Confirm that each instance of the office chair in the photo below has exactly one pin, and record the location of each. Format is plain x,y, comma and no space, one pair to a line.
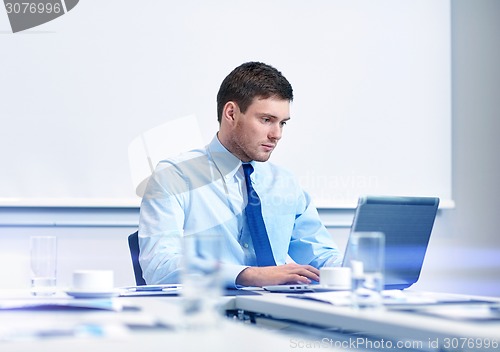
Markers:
133,244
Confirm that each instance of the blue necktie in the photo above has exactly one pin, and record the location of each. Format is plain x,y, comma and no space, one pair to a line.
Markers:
253,212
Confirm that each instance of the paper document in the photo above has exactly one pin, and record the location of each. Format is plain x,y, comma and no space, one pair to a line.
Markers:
61,303
390,298
151,290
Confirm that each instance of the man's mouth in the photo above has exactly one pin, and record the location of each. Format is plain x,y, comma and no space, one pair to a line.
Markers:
268,147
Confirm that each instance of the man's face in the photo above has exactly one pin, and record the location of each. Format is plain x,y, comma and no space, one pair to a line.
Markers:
257,131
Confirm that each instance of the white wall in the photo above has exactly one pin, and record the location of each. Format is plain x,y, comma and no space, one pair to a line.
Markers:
464,253
102,79
96,245
465,256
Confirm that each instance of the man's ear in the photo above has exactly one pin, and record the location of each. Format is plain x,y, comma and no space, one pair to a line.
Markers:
229,111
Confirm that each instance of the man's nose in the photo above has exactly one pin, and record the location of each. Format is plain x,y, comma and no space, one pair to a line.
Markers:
276,132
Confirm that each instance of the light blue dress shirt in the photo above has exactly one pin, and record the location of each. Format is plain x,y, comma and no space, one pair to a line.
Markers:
204,191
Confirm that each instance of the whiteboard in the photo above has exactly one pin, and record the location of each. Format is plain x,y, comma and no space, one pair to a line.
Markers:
371,114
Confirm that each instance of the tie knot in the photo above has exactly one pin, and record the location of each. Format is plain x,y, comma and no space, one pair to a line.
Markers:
247,169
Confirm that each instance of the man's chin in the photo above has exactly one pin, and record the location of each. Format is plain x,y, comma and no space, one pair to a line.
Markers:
262,157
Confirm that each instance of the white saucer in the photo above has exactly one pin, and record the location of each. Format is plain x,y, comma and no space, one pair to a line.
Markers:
90,294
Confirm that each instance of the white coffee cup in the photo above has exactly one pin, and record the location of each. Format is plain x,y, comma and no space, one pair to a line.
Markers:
93,280
337,277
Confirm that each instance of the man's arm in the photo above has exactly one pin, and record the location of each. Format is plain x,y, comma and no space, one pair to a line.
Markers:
160,226
311,245
277,275
163,220
311,242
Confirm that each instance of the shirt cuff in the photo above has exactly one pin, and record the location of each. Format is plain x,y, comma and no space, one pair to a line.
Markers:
229,273
334,261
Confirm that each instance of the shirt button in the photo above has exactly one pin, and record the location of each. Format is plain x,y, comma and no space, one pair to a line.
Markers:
245,245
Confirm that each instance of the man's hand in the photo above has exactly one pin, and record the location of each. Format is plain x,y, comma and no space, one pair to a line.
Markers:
278,275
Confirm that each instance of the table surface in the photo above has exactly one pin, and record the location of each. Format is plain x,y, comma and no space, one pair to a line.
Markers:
150,322
388,323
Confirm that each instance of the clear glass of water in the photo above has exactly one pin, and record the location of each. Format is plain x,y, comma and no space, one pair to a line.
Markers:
366,252
201,281
43,254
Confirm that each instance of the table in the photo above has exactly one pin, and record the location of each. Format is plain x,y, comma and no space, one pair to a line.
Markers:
153,323
427,332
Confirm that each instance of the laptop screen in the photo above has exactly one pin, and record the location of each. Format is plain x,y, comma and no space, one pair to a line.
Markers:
407,225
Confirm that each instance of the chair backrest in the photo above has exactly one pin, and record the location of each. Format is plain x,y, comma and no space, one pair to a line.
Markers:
133,244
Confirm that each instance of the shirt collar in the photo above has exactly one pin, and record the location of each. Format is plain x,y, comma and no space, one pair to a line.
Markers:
226,162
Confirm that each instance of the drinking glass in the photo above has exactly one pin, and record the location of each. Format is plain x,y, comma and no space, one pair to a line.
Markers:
366,252
201,281
43,265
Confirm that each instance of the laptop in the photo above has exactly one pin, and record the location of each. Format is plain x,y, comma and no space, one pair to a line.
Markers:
407,224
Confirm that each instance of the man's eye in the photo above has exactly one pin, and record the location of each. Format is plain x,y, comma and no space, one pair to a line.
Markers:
283,123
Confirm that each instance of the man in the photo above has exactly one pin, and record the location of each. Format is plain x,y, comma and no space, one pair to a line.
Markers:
205,191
